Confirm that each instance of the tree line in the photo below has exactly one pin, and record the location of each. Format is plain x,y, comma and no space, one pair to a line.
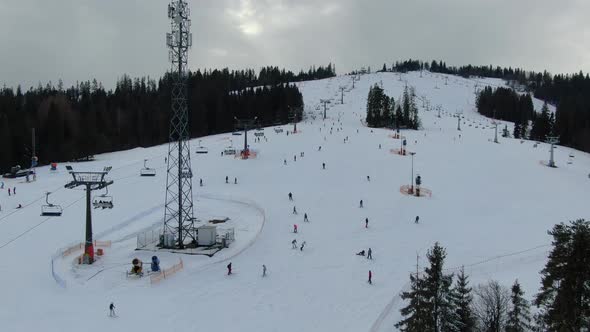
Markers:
570,94
382,110
506,104
436,302
87,119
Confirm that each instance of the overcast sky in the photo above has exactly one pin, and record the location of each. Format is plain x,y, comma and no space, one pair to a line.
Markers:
44,40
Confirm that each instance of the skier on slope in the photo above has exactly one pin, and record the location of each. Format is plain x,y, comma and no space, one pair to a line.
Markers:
226,179
361,203
323,165
294,228
361,253
302,245
370,277
290,196
370,254
305,217
263,270
366,222
294,158
112,310
368,178
417,219
294,243
294,210
229,268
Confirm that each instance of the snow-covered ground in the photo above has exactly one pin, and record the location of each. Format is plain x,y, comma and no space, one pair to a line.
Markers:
491,207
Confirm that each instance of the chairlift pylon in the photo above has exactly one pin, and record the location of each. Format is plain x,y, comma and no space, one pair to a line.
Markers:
49,209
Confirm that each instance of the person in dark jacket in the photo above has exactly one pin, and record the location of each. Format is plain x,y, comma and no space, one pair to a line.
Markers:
229,269
112,310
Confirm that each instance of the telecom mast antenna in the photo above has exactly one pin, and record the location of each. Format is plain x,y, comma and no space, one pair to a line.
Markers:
178,211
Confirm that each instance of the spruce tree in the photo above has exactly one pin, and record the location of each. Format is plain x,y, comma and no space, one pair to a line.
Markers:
414,121
399,117
542,124
391,113
370,105
463,299
564,297
437,292
415,313
431,304
519,316
406,107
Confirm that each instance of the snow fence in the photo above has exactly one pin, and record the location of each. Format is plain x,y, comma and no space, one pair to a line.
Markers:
166,273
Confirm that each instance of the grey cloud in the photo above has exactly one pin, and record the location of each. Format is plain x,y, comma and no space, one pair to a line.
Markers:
77,40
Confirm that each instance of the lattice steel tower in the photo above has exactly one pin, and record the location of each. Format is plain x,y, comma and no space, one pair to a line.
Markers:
178,214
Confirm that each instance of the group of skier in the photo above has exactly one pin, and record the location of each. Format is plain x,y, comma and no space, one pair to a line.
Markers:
226,180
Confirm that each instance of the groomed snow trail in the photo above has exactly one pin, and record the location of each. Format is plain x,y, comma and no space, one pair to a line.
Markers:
491,207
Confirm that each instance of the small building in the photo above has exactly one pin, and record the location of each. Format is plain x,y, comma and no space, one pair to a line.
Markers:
206,235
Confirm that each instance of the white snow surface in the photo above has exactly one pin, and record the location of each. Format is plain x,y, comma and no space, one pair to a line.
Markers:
491,207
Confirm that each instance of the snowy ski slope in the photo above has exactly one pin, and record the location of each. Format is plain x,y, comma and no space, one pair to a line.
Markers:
491,207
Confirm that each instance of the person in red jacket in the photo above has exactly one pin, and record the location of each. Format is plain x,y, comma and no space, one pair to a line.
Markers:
370,277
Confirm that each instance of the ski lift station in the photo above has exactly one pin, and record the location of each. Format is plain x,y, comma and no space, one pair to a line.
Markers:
206,235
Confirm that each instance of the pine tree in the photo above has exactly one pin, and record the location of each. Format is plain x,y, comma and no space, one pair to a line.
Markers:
542,124
463,299
437,292
414,121
564,298
406,107
519,316
370,105
391,112
415,314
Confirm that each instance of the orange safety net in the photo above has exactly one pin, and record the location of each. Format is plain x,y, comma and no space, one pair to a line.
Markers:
166,273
